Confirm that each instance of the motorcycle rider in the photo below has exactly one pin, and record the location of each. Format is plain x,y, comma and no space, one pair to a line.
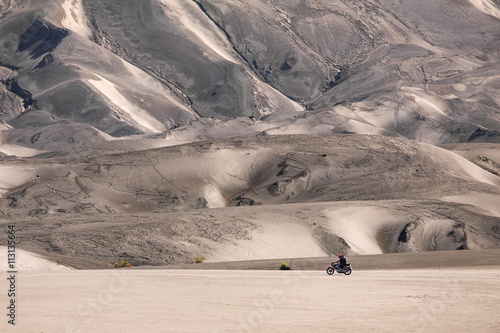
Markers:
342,261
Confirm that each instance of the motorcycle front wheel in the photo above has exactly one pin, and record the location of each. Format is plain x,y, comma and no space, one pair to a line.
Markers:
329,270
347,270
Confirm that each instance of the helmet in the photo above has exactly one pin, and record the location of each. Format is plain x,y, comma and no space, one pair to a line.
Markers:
340,256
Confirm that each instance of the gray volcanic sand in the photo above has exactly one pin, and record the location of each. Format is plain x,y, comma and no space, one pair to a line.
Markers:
247,171
264,232
305,196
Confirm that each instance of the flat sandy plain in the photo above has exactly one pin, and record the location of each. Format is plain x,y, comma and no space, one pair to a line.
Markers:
214,299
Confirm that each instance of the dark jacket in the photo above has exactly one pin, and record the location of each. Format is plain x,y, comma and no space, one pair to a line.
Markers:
342,262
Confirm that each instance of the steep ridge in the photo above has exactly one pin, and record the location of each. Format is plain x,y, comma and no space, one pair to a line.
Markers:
150,66
202,65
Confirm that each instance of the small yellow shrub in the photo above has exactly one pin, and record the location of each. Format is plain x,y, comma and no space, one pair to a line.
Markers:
122,263
198,260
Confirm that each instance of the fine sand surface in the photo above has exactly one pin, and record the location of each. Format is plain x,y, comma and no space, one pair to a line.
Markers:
430,300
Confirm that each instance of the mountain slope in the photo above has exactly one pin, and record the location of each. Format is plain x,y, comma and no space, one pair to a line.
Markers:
145,67
159,130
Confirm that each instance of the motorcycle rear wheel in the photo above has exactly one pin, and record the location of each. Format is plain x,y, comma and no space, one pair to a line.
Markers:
330,270
347,270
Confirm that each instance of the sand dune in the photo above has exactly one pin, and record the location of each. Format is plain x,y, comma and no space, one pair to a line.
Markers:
13,177
15,150
305,196
487,7
360,227
190,18
251,171
258,232
463,167
27,261
486,201
143,120
63,136
274,238
74,18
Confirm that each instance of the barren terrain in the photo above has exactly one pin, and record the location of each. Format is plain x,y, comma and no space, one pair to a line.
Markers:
425,292
251,198
199,69
445,300
248,133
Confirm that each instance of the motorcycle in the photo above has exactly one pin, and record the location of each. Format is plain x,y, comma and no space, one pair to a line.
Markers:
347,270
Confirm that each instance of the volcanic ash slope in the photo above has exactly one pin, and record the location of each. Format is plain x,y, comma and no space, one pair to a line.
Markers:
305,196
